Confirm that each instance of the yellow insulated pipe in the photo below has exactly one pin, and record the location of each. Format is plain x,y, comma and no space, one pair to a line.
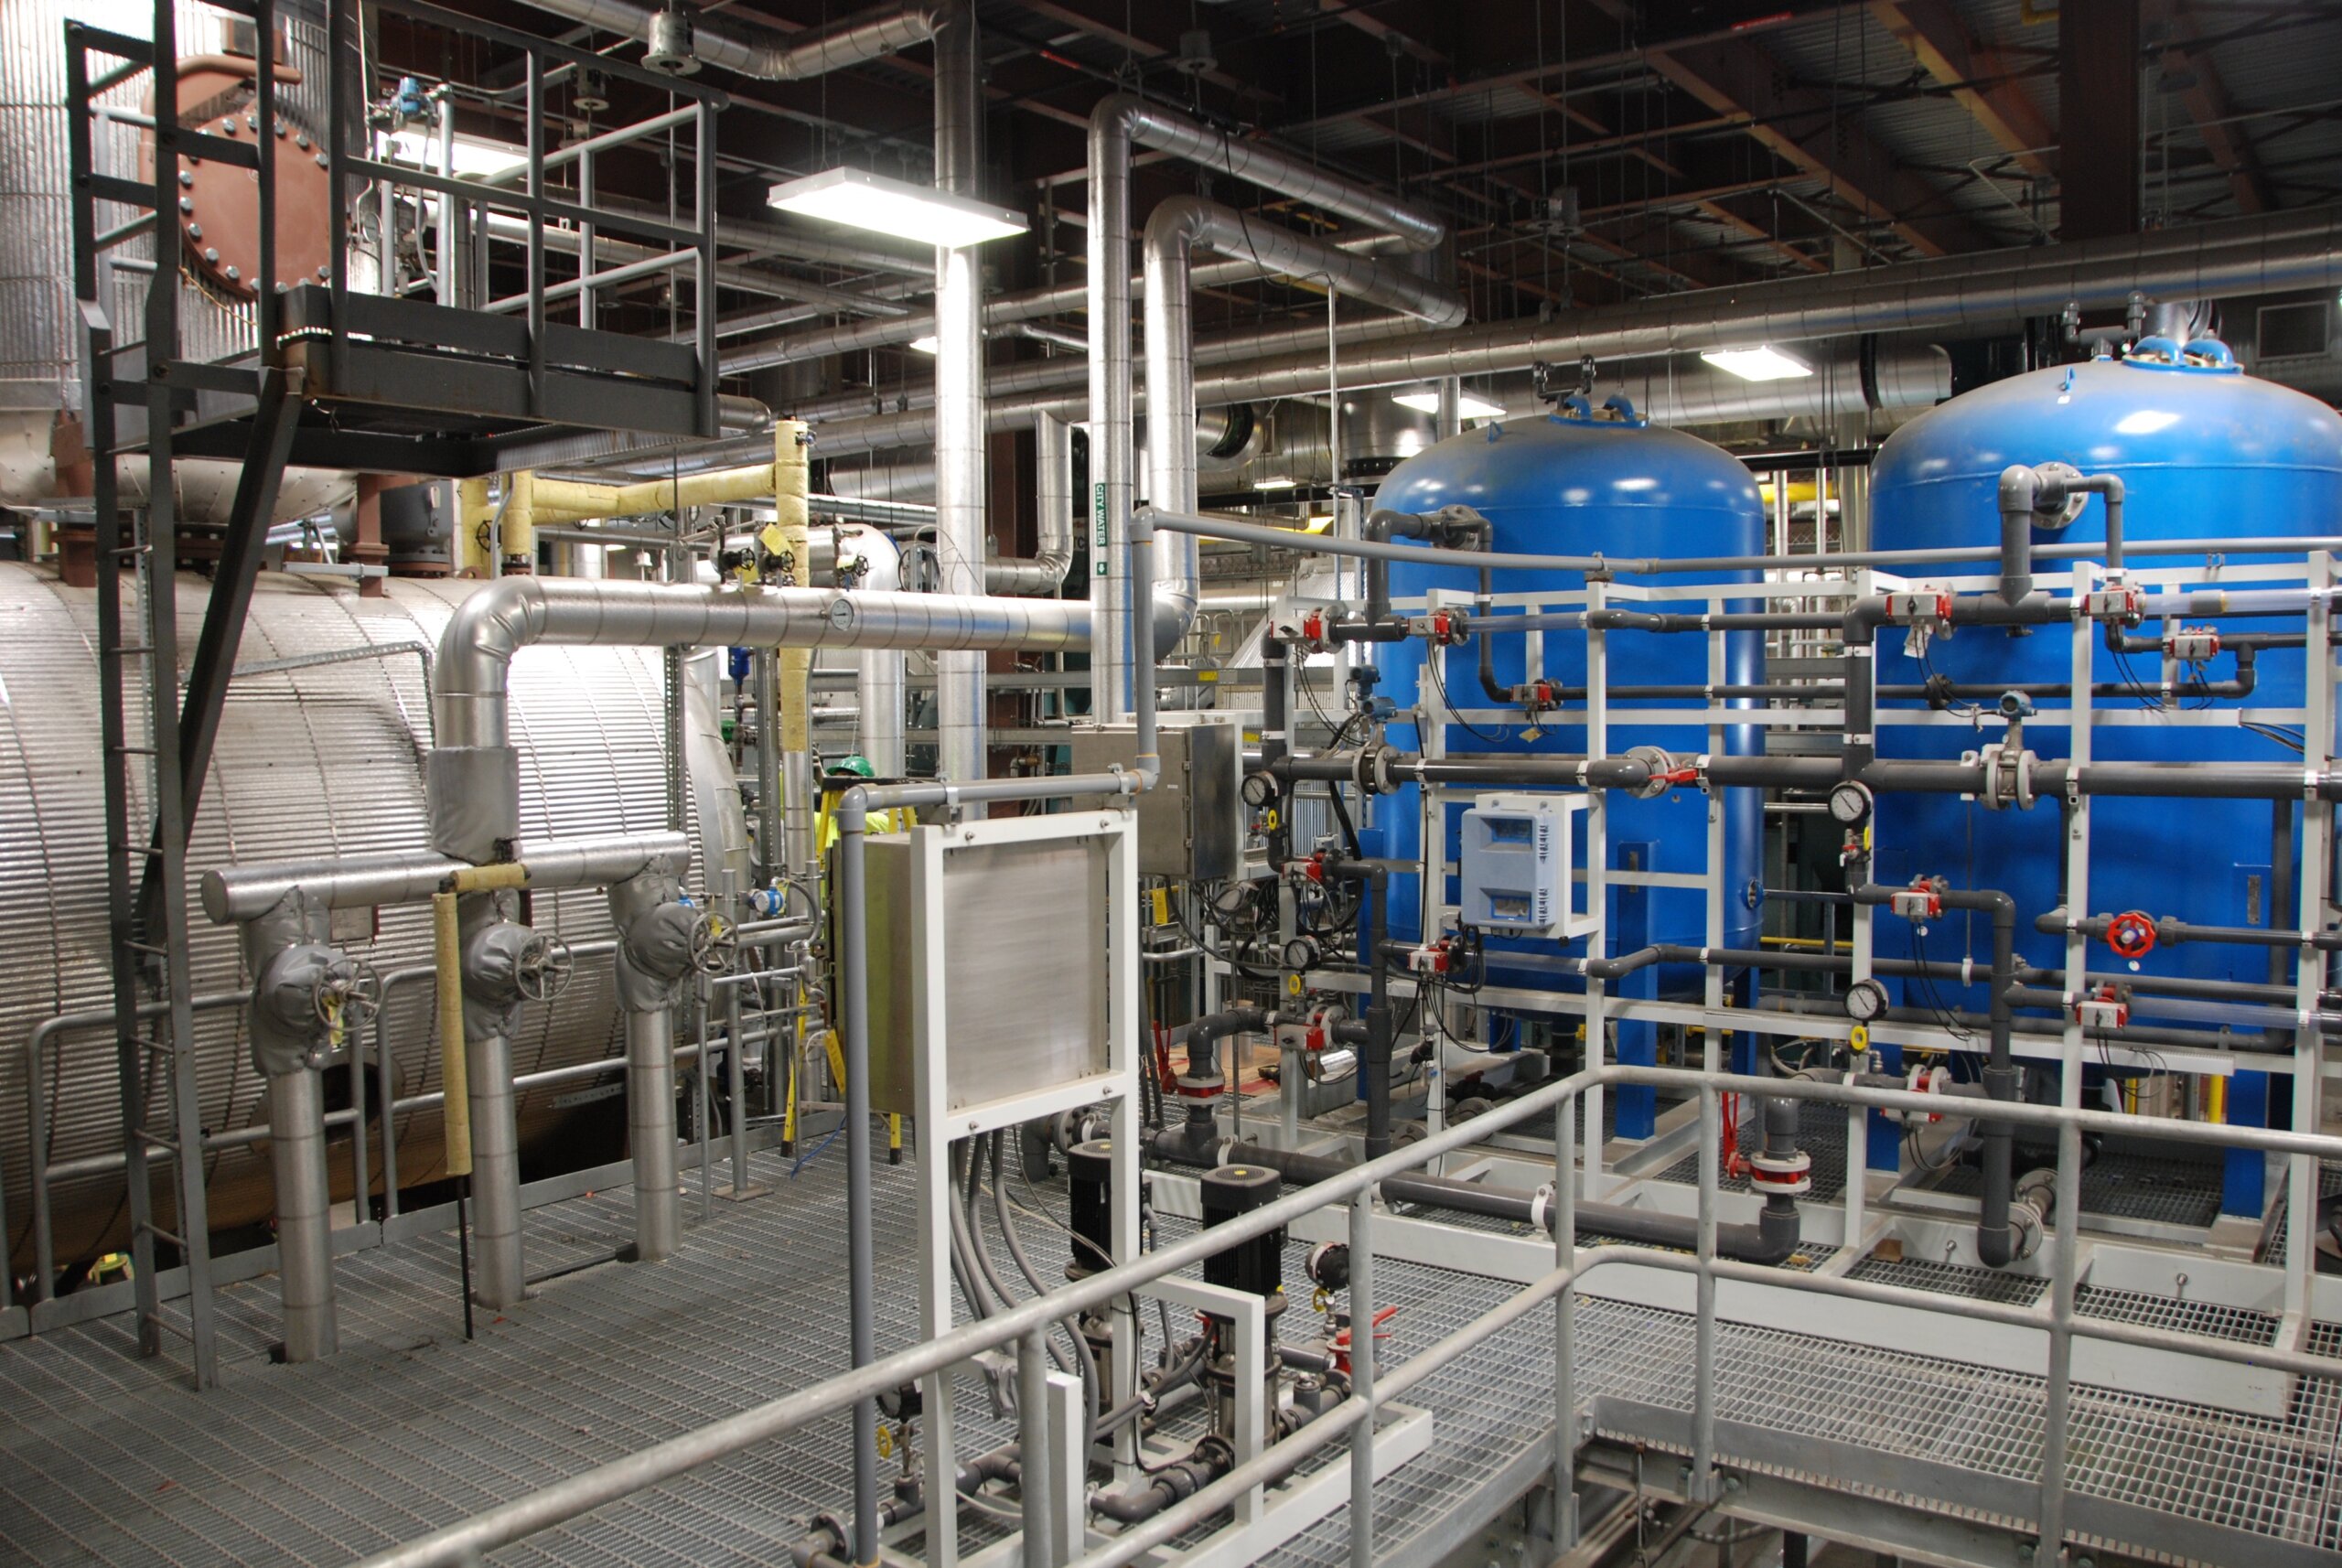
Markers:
571,500
791,479
447,958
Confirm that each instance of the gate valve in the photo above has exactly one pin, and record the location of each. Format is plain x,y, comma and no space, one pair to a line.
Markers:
1923,900
345,995
1443,628
543,969
2131,934
2103,1009
1339,1344
716,944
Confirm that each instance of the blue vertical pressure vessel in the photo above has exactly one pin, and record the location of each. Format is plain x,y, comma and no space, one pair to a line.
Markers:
1578,483
2204,451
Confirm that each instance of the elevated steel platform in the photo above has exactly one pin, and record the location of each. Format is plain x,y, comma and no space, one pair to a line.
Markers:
105,1458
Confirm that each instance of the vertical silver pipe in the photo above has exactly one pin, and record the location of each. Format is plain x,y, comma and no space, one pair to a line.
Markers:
878,679
1703,1343
764,667
1333,388
498,1280
958,400
798,793
297,1151
1171,432
1034,1474
1362,1377
1111,460
1053,490
651,1133
451,215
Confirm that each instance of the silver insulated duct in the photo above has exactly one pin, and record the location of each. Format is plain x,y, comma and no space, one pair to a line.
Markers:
324,759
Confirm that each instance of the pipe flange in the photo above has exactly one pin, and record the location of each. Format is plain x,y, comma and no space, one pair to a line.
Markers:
1660,764
1383,782
1781,1175
1365,770
1989,758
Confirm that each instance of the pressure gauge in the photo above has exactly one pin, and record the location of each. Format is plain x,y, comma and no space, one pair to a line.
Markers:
1865,1000
1301,952
1259,790
1850,803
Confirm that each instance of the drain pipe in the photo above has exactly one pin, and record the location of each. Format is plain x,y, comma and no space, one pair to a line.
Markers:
662,942
1119,120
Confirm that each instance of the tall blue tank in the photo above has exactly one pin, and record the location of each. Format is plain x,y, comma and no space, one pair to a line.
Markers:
2203,450
1579,484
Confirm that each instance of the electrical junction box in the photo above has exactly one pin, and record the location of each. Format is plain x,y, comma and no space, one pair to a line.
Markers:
1518,866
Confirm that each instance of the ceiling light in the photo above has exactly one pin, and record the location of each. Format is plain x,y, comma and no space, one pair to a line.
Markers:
1761,363
1467,405
1276,484
926,345
471,157
860,199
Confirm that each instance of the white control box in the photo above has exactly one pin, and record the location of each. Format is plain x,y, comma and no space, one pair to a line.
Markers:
1518,864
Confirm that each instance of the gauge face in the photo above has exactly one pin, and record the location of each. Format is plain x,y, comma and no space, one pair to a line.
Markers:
1300,953
1850,802
1259,789
1865,1000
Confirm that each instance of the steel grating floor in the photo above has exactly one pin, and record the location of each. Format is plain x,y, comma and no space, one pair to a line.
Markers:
107,1459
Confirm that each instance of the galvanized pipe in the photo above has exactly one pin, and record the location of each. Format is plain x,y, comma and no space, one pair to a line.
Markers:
651,1133
297,1153
1043,573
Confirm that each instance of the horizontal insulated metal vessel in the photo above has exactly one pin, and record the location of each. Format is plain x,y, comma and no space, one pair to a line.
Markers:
2203,449
324,759
1576,484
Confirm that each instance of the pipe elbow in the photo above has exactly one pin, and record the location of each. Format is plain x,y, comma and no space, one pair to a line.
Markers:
471,674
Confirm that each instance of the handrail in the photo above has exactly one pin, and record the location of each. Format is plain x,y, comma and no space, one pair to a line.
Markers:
463,1541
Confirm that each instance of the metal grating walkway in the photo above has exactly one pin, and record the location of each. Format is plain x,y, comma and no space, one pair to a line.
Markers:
105,1459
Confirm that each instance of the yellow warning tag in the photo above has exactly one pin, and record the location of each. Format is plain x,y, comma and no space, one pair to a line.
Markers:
1161,900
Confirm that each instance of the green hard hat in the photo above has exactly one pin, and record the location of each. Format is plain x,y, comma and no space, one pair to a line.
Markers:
855,764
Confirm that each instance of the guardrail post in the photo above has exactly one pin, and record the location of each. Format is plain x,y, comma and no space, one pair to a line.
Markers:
1703,1387
2059,1395
1036,1473
1564,1481
1362,1377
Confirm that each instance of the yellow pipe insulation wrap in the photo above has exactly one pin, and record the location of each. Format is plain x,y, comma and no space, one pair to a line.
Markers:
447,958
790,481
474,515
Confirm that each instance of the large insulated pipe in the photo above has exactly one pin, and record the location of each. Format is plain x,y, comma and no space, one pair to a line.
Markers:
960,542
755,51
1115,124
297,1153
788,724
1176,228
650,1133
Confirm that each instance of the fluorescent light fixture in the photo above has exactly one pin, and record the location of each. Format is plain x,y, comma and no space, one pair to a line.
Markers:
860,199
1467,405
926,345
1276,484
1318,524
1761,363
472,157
